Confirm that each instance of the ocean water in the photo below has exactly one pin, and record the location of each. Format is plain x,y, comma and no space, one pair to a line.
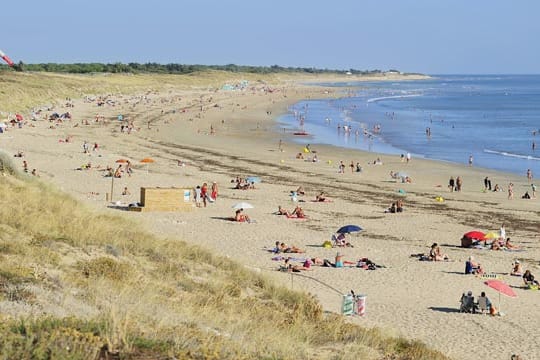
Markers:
493,118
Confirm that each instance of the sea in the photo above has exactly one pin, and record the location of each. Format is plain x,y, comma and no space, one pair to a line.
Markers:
491,120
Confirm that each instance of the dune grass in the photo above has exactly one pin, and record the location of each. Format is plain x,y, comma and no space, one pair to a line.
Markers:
75,283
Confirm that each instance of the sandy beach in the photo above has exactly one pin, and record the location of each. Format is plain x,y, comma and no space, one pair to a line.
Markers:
202,135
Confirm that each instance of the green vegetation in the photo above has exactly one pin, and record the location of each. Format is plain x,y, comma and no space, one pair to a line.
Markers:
155,68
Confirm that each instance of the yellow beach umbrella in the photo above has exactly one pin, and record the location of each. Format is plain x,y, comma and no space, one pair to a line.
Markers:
491,235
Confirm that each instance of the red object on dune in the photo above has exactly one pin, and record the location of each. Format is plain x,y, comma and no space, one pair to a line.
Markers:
6,58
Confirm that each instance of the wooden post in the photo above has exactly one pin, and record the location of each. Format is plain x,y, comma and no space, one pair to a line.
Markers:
112,187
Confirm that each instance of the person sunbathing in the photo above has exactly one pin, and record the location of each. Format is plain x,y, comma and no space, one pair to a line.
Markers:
282,211
517,270
295,268
298,212
495,245
284,248
472,267
340,241
240,217
435,254
300,191
321,197
528,279
508,244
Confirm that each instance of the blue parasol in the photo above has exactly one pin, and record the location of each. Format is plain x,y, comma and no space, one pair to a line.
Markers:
253,179
349,229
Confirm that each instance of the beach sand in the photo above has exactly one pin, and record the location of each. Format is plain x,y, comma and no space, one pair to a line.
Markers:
412,298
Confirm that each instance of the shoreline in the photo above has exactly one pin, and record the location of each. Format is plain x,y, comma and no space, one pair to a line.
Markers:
425,294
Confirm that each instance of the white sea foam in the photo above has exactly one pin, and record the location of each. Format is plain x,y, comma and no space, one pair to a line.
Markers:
508,154
391,97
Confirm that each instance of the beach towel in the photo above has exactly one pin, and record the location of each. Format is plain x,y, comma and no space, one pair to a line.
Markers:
280,258
296,217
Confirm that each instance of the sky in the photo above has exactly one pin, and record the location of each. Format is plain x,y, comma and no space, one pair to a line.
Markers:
425,36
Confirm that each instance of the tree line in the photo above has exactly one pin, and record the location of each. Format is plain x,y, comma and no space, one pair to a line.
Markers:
155,68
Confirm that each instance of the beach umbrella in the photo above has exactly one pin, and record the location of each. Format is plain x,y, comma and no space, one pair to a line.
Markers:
242,205
253,179
402,174
491,236
477,235
349,229
147,161
502,288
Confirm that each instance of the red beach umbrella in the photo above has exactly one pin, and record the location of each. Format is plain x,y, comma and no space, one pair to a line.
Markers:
477,235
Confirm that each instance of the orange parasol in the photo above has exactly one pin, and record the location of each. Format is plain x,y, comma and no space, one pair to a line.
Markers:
147,160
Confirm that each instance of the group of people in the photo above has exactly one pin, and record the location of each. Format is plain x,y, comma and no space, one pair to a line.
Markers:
469,305
297,212
203,196
243,183
396,207
455,184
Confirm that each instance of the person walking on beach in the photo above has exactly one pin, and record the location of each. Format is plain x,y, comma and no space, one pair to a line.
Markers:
408,157
529,175
451,184
470,160
459,182
204,193
487,184
198,196
85,147
510,191
533,189
214,190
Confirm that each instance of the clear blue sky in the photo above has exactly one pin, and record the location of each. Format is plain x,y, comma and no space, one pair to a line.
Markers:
428,36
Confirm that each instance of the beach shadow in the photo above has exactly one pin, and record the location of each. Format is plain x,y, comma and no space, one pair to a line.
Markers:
444,309
118,207
225,218
454,272
313,245
453,246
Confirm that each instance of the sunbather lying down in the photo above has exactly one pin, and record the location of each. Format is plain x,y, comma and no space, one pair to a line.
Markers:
297,212
281,247
296,268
